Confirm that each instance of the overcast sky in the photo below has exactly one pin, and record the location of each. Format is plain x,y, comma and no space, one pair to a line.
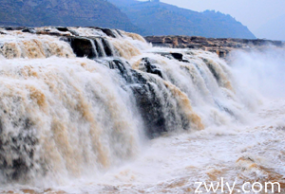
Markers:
255,14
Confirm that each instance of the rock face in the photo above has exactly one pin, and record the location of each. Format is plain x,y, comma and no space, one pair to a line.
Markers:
222,46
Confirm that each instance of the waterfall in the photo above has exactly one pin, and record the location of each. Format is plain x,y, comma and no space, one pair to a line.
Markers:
78,101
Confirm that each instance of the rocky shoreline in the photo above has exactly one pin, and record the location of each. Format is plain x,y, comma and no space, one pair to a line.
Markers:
221,46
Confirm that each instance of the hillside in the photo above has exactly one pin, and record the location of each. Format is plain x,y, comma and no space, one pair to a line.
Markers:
163,19
146,18
99,13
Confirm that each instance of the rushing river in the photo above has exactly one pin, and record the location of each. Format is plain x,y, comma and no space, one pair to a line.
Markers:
89,110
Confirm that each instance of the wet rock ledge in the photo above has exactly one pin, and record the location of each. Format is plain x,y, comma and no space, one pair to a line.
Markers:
222,46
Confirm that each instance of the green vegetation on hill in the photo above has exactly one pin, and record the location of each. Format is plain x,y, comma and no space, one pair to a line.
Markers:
99,13
163,19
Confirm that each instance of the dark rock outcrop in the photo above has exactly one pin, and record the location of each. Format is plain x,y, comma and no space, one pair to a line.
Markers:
91,47
151,96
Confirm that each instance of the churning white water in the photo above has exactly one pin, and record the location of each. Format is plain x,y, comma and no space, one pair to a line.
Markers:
92,110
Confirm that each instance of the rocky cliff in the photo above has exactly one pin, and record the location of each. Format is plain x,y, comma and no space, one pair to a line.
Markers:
222,46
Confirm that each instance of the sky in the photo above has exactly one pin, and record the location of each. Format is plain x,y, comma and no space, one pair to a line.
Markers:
264,18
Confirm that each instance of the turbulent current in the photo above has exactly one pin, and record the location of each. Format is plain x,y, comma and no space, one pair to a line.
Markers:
91,110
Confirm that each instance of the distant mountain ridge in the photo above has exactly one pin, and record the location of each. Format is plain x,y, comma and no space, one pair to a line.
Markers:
145,18
99,13
163,19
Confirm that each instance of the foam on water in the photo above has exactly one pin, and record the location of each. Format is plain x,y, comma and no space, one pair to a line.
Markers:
33,46
78,125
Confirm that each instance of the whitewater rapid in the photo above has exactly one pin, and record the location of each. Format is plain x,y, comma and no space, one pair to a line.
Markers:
89,110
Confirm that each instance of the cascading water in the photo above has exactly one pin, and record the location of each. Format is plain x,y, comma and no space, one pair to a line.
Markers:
77,102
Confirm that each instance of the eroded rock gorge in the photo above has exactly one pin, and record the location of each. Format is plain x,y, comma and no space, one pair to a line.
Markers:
221,46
